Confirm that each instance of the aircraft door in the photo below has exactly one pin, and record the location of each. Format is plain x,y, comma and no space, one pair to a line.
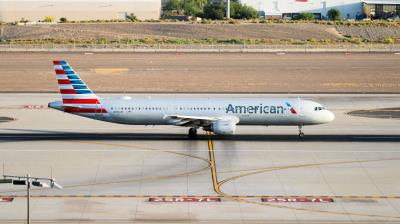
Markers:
300,107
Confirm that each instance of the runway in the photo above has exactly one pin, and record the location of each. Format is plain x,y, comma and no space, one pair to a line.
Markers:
122,174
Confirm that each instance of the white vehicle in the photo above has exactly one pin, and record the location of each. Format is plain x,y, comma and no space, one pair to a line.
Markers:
219,115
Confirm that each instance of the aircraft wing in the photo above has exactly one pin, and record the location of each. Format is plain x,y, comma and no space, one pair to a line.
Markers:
197,121
190,121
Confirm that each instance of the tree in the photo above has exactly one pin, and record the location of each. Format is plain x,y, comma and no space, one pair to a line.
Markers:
63,20
238,10
334,14
131,17
305,16
241,11
48,19
175,5
192,7
213,11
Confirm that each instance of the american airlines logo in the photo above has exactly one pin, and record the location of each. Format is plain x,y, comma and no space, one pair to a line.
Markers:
292,110
256,109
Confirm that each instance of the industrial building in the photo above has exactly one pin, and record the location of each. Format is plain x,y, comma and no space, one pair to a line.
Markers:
78,10
381,9
350,9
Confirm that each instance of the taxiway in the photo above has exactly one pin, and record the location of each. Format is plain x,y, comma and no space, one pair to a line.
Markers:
110,171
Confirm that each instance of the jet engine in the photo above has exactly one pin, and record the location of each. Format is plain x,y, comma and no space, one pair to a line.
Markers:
223,127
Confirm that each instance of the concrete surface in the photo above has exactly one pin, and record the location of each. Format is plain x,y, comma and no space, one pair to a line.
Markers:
109,171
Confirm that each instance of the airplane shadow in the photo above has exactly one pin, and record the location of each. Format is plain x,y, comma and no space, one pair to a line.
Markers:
75,136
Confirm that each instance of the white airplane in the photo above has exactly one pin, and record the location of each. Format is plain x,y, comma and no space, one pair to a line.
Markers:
218,115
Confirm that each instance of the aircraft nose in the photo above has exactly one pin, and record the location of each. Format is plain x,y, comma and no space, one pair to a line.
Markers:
329,116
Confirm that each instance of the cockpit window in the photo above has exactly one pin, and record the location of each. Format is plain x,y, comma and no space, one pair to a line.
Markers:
319,108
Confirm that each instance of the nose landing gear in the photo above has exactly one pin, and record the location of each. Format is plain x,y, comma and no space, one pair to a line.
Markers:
301,133
192,133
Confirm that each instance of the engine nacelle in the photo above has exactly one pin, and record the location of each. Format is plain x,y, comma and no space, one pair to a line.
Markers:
223,127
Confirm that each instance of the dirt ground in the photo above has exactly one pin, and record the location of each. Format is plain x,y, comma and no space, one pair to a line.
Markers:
141,72
114,31
168,30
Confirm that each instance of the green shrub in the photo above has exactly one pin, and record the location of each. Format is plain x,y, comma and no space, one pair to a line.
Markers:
389,40
233,41
63,20
312,40
305,16
149,40
131,17
102,40
48,19
180,41
334,14
205,21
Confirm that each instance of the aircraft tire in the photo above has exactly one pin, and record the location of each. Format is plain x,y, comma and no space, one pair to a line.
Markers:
192,133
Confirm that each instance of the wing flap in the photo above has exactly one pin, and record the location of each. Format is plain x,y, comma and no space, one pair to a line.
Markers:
195,121
189,121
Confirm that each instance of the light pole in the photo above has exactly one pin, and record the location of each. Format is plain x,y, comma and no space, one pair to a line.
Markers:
29,181
228,9
28,197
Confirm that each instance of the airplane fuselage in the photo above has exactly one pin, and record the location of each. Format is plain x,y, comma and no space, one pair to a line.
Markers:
248,111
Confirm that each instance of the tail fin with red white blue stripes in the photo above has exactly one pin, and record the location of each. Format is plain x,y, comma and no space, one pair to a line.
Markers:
73,90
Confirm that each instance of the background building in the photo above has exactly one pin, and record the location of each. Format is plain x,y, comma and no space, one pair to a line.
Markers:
78,10
350,9
381,9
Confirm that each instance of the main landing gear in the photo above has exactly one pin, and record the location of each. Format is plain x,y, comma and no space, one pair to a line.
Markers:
301,133
193,133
